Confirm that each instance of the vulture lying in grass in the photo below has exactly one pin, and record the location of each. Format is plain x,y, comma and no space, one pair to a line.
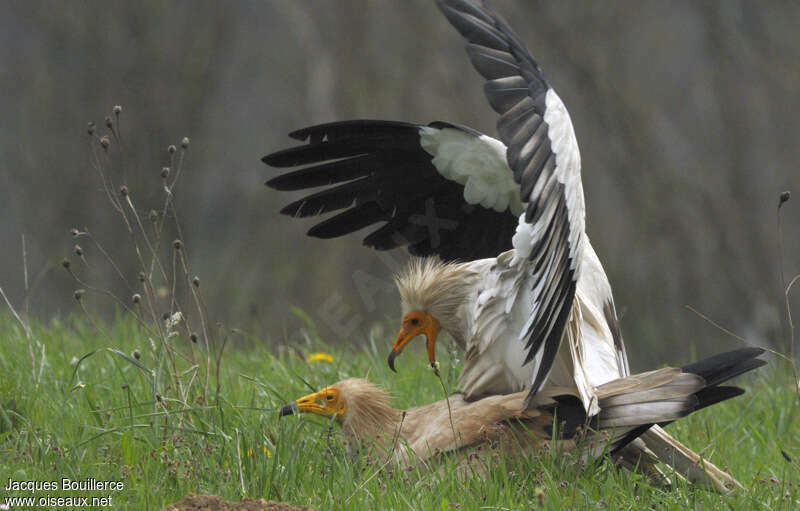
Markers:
629,406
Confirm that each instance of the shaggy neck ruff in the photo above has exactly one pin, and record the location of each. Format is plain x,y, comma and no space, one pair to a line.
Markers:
369,415
439,288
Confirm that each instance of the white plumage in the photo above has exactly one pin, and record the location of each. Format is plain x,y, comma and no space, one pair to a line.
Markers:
568,169
506,297
485,306
478,163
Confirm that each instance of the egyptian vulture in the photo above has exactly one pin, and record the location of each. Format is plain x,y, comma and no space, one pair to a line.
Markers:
508,270
629,406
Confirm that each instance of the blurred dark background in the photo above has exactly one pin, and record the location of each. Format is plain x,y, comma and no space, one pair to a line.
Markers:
687,114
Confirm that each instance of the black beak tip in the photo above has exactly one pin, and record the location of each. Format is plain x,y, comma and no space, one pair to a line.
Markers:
289,409
392,356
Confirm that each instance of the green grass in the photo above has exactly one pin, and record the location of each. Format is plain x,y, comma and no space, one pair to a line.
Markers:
99,419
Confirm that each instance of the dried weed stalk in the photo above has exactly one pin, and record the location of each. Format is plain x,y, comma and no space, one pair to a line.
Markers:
180,371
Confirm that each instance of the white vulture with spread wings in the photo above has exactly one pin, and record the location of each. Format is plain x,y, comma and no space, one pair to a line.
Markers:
505,265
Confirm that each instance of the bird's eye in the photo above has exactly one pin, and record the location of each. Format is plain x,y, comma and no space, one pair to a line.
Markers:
329,397
415,321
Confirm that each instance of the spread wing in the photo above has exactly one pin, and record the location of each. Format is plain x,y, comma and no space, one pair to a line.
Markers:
544,159
448,190
438,189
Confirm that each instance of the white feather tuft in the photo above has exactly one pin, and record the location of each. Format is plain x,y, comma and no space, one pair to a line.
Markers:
441,289
369,412
478,163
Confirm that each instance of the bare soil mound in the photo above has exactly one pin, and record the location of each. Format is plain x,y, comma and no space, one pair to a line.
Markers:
193,502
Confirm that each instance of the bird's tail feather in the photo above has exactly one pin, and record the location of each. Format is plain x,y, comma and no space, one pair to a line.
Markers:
639,406
636,457
686,462
724,366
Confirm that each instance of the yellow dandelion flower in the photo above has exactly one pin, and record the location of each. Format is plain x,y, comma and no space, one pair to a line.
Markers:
250,451
226,464
267,452
320,357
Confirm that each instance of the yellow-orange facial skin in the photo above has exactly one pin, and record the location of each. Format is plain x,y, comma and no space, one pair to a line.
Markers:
416,323
327,402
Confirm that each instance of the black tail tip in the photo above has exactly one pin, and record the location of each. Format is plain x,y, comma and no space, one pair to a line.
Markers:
724,366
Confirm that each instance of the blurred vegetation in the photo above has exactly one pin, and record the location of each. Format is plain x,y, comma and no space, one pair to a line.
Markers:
686,114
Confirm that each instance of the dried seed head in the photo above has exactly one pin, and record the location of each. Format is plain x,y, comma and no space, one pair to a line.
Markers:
164,173
177,244
196,281
785,196
78,250
193,337
90,128
104,141
185,142
117,109
142,276
78,294
65,263
171,149
123,190
136,298
109,122
74,231
137,354
153,215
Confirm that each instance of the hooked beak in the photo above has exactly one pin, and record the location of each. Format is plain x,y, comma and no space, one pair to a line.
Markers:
289,409
429,328
392,356
402,339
